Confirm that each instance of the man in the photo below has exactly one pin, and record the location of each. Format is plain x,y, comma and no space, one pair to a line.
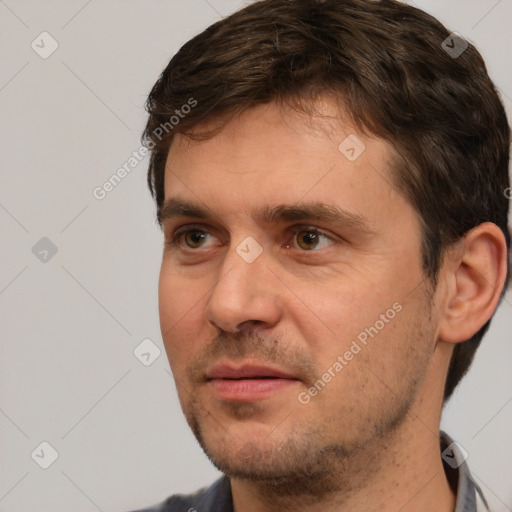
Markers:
331,179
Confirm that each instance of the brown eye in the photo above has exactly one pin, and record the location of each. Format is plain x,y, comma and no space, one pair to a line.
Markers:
310,239
194,238
307,240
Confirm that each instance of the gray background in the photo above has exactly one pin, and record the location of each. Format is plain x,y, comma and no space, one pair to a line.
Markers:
70,324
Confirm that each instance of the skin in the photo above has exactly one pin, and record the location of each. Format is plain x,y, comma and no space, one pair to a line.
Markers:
369,439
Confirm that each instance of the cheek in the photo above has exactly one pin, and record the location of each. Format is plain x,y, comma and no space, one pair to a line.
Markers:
335,309
366,318
180,308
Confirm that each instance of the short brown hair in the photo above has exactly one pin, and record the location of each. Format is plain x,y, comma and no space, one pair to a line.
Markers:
386,62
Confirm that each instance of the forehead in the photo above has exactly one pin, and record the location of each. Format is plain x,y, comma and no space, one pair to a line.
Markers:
272,156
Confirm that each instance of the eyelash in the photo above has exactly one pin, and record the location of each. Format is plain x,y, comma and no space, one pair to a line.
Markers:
310,229
178,234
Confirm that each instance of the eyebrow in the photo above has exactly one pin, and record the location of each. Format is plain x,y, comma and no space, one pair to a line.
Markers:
316,211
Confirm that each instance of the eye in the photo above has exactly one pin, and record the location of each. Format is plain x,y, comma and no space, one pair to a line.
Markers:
309,239
192,238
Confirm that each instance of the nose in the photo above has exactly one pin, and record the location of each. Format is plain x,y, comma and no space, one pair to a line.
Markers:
245,295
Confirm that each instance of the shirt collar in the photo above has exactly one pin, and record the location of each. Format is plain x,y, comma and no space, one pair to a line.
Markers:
469,496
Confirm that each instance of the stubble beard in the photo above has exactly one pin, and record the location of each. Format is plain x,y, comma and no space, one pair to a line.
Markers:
305,466
308,465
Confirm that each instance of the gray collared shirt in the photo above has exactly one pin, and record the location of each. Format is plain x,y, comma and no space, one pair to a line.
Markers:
218,498
469,495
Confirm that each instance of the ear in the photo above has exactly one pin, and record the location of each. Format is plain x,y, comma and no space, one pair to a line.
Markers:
474,273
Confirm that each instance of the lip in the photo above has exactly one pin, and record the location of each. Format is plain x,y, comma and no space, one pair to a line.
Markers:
246,371
248,382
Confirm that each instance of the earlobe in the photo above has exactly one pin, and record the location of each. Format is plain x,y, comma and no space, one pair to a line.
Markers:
476,271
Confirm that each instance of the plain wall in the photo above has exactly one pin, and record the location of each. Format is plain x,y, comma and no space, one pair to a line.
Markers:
69,324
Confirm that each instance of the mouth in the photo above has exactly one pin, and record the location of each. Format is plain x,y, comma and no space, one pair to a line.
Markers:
245,383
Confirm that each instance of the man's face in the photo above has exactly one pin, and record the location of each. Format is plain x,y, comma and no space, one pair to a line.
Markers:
337,305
